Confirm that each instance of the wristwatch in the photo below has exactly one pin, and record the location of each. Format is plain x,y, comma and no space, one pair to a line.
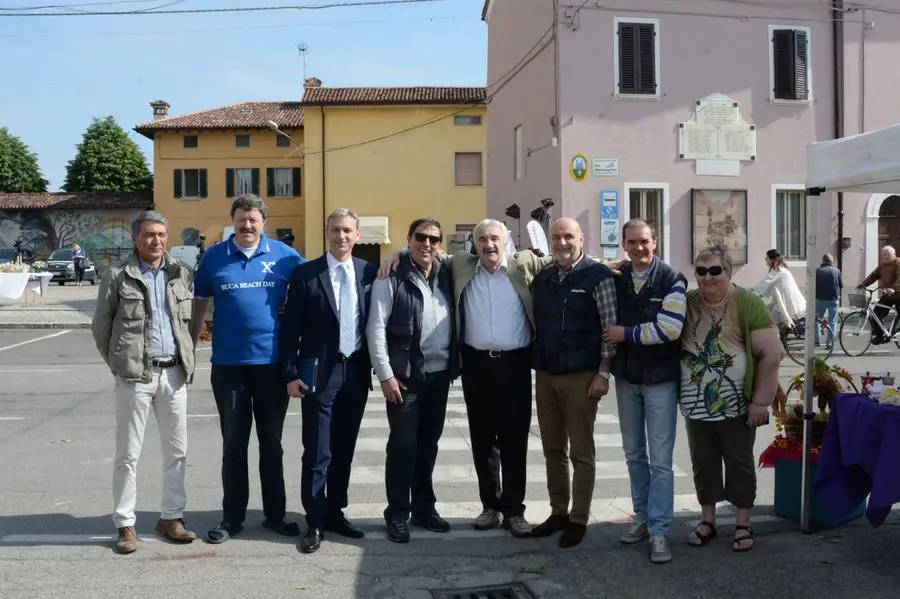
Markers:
605,375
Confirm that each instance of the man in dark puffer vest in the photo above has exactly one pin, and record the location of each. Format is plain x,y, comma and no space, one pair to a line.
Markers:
574,299
648,369
412,344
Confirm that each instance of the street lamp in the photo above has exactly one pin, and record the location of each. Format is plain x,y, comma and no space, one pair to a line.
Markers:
274,127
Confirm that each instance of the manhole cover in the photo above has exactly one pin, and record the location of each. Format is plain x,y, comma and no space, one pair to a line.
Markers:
515,590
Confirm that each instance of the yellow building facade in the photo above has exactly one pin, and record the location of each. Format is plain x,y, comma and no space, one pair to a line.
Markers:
394,155
203,159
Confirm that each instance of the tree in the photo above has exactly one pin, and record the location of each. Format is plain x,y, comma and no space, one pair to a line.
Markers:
19,170
107,160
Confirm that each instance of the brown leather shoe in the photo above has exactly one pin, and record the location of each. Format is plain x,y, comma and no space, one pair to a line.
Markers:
127,541
174,530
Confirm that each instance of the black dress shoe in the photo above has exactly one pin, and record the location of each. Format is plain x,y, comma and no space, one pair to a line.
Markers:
432,522
572,535
311,541
550,526
397,531
286,529
341,526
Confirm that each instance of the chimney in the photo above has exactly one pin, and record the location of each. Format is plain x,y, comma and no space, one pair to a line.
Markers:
160,109
312,82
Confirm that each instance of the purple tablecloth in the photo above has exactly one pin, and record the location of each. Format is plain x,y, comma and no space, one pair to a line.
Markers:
860,456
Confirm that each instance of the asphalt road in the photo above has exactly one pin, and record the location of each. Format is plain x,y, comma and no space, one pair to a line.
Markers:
56,445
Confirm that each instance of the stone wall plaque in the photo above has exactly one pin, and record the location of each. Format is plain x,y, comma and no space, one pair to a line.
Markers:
716,132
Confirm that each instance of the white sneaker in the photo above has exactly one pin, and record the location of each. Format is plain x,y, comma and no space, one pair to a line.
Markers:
487,520
636,533
659,549
518,526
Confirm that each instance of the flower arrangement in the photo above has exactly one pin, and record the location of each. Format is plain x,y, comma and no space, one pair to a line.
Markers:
39,266
13,268
829,381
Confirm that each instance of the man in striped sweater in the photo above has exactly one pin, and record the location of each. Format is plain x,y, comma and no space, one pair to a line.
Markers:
651,307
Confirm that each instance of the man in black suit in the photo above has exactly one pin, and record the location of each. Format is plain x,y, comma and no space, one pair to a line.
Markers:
326,363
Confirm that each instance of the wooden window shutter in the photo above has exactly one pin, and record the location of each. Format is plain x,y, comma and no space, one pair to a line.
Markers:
295,178
627,58
177,178
646,74
229,182
204,184
255,181
790,73
270,182
469,169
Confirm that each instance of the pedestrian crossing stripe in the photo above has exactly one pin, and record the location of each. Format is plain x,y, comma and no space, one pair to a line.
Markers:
449,443
451,473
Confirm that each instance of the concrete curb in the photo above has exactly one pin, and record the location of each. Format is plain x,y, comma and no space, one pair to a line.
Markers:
45,325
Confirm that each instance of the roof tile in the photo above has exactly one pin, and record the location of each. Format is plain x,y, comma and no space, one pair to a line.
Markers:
246,115
356,96
136,200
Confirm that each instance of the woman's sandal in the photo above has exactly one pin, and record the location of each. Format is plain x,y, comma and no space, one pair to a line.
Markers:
740,543
700,538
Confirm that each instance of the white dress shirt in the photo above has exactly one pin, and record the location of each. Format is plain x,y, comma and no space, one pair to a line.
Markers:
494,315
334,273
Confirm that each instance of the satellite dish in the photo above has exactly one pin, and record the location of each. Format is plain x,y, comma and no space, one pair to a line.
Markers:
538,237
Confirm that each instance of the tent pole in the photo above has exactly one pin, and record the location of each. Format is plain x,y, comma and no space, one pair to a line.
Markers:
812,205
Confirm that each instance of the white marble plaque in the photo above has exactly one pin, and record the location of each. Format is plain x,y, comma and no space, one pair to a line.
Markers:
717,137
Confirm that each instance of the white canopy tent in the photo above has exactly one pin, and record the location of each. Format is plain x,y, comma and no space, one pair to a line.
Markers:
864,163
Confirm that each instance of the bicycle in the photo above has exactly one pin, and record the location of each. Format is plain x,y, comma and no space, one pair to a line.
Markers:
856,327
793,339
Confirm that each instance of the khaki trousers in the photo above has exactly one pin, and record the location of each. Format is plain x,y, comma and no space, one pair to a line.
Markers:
566,417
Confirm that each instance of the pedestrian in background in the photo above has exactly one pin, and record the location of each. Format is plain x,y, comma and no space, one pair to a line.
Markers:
829,285
141,330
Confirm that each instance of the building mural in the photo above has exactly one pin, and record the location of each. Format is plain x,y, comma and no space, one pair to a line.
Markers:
104,234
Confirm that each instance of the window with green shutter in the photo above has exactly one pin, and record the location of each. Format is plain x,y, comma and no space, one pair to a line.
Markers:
190,183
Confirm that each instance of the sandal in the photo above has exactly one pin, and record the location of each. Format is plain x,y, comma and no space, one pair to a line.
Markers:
736,545
222,533
700,538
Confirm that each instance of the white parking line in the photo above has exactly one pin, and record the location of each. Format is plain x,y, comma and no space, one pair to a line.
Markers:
21,343
10,418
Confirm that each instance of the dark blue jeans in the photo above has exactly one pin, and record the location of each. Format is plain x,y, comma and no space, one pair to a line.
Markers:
243,393
331,419
416,427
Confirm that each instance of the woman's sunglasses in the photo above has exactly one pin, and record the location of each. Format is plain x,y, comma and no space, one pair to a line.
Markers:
422,238
713,271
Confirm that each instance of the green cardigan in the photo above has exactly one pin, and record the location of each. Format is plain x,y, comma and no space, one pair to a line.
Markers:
752,316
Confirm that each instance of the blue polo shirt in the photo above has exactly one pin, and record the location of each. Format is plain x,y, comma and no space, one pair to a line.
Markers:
247,296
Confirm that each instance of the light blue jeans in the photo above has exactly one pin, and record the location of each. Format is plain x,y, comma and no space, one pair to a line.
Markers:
828,309
647,417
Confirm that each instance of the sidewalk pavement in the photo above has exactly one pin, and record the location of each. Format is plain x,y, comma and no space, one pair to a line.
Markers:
64,307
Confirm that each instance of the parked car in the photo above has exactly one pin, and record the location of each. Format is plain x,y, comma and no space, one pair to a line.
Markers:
8,255
62,266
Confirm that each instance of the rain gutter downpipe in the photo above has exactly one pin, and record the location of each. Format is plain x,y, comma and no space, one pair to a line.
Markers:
837,26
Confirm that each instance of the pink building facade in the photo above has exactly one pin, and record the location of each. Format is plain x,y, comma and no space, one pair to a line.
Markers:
694,115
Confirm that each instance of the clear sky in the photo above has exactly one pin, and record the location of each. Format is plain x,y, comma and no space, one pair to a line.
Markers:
60,72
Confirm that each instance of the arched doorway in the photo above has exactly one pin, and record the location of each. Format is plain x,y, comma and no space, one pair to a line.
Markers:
889,222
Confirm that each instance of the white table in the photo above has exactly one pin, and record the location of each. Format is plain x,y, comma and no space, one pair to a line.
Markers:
37,285
12,284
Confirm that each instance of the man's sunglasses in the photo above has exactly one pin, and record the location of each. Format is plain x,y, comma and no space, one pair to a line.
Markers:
422,238
713,271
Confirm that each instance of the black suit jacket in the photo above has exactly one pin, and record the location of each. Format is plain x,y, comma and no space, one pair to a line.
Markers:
311,323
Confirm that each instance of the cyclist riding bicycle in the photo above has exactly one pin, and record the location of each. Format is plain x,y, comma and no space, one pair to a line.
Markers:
887,274
787,302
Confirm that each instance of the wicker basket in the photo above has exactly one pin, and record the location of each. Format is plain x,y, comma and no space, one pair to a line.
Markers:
793,430
857,300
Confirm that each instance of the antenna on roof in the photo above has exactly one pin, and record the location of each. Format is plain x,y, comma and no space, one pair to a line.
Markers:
302,48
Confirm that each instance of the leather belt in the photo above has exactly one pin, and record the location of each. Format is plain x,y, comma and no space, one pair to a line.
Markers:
167,362
497,353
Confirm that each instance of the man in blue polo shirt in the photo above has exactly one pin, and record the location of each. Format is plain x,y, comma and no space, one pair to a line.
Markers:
247,278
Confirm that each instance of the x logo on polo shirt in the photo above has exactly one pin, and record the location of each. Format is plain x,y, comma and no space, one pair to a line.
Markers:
267,266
